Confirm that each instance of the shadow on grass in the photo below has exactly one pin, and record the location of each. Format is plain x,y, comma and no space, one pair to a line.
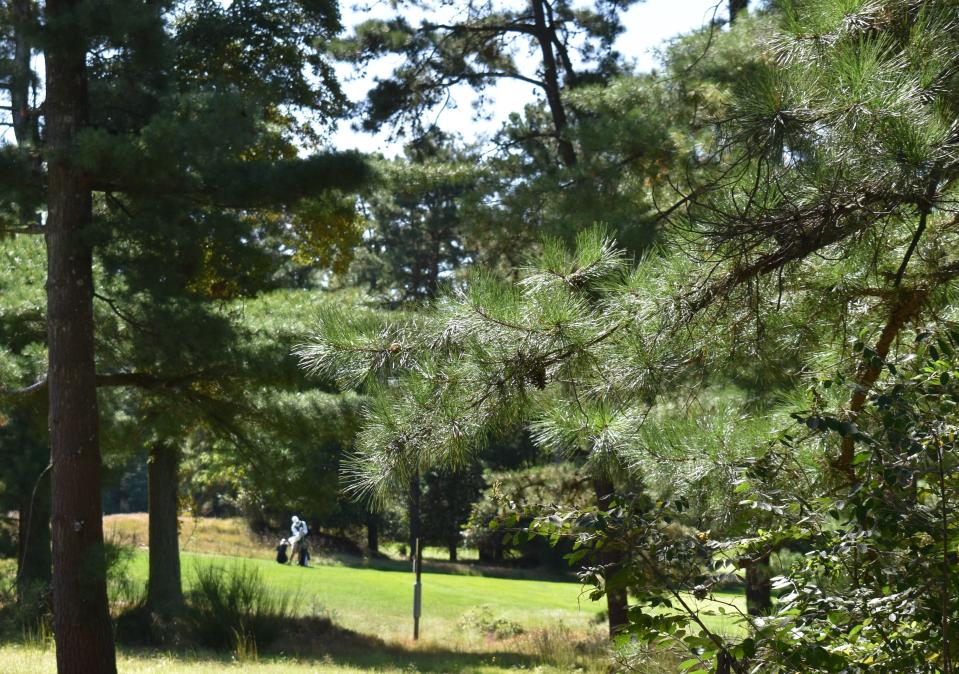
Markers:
346,647
447,568
317,639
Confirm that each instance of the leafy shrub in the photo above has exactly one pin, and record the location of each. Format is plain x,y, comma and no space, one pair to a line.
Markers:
874,589
519,491
25,607
481,620
124,592
230,607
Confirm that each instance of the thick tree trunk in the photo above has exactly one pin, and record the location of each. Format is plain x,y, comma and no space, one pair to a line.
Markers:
82,627
452,549
759,588
33,544
616,599
164,589
544,36
414,513
736,7
372,534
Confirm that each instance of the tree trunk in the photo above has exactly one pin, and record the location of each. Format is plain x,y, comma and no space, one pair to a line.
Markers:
164,590
414,513
452,549
372,534
23,116
616,599
82,627
544,36
736,7
33,545
907,306
759,586
24,121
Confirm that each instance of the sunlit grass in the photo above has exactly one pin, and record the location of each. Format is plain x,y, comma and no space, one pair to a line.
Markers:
18,659
232,536
400,550
370,603
379,601
216,535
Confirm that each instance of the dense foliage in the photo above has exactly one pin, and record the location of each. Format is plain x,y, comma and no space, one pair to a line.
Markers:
808,244
687,331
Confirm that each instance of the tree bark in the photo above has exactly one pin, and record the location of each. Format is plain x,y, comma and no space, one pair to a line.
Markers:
759,588
372,534
491,553
164,589
551,85
33,544
452,549
414,513
24,120
735,8
616,599
906,308
82,626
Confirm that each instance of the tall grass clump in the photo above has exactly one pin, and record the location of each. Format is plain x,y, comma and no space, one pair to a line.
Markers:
231,608
124,591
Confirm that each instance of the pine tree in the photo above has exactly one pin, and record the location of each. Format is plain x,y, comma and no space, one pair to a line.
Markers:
817,229
418,234
482,46
81,615
187,136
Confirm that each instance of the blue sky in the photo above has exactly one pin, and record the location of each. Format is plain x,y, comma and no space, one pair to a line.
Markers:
648,24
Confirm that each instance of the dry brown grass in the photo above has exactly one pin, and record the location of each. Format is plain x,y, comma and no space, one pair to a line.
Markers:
221,536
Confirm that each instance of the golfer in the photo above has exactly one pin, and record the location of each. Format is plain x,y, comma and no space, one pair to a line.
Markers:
298,529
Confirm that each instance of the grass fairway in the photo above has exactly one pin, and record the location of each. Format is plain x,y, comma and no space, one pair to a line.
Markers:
370,603
560,632
378,601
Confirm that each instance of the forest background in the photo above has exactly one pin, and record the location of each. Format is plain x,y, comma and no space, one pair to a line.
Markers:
679,330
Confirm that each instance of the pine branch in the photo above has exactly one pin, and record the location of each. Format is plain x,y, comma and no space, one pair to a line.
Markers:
904,310
142,380
925,207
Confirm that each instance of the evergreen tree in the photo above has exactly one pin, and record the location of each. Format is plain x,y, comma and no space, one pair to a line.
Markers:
135,111
24,446
483,45
418,234
24,441
820,209
447,500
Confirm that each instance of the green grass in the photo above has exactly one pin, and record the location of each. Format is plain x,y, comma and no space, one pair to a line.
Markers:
378,601
39,659
364,596
369,601
398,550
371,608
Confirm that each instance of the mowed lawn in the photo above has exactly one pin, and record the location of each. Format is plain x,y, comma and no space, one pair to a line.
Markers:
561,632
370,603
373,596
380,601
